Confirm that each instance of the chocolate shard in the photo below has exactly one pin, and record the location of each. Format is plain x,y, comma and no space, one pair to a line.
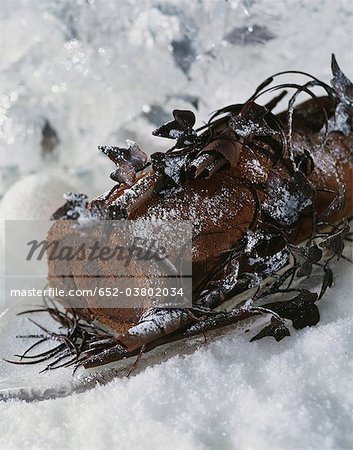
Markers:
125,173
171,165
202,161
341,84
128,161
132,154
138,157
341,120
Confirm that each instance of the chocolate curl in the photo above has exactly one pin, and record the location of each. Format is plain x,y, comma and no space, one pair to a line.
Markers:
214,166
227,147
207,164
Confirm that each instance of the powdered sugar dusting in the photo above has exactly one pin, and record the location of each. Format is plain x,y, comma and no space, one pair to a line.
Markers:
201,208
254,168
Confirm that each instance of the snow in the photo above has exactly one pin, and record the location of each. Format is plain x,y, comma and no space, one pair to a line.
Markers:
96,71
34,197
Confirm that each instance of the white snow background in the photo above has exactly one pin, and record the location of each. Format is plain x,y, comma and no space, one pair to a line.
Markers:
103,71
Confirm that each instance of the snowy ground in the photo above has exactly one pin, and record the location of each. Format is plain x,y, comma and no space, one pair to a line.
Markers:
99,72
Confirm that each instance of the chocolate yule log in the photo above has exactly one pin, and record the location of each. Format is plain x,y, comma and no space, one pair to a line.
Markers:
254,185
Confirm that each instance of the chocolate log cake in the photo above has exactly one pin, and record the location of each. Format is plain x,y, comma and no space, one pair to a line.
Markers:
254,185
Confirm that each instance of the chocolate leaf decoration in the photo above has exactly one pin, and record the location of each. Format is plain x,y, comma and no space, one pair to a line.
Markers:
305,257
276,329
181,128
128,161
301,310
305,269
314,253
74,207
337,203
335,242
341,84
251,121
287,199
327,280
